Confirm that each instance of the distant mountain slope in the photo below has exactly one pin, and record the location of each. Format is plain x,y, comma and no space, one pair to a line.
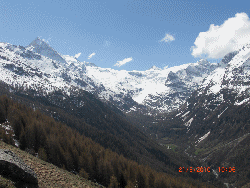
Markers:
213,124
163,90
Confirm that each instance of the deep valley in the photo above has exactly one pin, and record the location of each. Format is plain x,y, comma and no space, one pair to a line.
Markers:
129,128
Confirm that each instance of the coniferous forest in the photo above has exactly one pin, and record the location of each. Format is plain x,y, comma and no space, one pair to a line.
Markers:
59,144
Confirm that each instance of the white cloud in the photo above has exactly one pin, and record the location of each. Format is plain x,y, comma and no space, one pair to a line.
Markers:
220,40
123,62
91,55
77,55
168,38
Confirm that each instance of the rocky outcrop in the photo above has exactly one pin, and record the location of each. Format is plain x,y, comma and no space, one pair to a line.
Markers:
13,167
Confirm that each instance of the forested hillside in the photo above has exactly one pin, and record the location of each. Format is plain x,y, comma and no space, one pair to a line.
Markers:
103,125
66,148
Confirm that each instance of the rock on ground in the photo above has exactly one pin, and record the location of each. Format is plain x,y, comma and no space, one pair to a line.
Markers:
13,167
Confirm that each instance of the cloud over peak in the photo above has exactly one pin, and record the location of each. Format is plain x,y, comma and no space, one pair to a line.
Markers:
221,40
167,38
77,55
123,62
91,55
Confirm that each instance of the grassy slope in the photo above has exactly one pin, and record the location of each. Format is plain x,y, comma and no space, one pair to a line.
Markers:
48,174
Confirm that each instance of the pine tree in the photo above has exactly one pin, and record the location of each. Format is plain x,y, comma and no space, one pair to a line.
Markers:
30,136
140,179
160,183
5,102
151,180
2,114
42,154
22,140
130,184
113,182
83,173
122,181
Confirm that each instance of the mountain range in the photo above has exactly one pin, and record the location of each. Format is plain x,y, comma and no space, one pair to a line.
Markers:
40,66
213,123
198,110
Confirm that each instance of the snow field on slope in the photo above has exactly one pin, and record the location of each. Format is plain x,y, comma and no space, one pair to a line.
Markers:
140,84
216,79
149,82
241,102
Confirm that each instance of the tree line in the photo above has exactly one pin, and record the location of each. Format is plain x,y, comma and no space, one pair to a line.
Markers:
64,147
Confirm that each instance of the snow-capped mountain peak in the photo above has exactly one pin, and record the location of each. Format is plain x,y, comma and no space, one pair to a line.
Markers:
233,73
159,89
41,47
155,68
153,88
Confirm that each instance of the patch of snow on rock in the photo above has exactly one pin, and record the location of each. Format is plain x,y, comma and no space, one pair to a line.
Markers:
185,114
241,102
203,137
178,114
222,112
188,123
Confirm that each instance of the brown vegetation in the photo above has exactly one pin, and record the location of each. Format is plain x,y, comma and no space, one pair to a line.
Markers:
58,144
48,175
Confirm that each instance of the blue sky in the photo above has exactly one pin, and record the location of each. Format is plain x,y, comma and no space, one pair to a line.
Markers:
129,34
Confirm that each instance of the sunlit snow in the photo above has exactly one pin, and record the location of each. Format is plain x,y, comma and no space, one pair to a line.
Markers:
188,123
241,102
203,137
222,112
153,88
